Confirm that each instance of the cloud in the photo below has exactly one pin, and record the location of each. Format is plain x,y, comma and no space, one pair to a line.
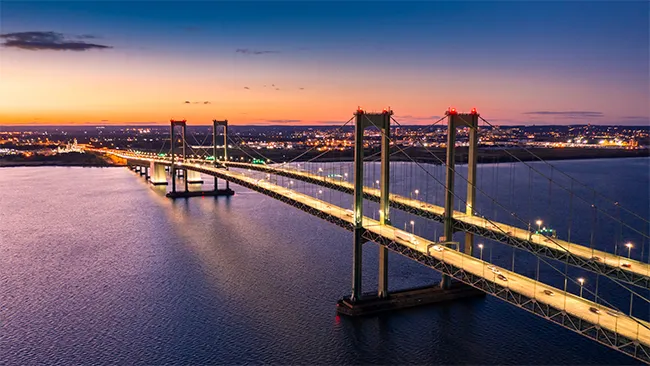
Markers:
568,114
206,102
248,51
283,120
637,117
248,87
38,41
331,122
302,88
86,36
104,120
277,88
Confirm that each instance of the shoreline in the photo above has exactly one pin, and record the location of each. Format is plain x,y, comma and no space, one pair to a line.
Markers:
41,164
421,160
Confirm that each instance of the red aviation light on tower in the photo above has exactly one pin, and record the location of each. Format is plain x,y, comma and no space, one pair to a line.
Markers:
452,111
359,110
473,111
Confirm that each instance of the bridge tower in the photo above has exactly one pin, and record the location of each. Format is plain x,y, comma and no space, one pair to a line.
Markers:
216,124
455,120
363,121
172,171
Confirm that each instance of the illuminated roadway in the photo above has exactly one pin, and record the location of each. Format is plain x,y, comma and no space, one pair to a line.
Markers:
428,210
622,325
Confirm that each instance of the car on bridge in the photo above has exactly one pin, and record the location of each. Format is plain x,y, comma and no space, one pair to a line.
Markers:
436,247
549,292
502,277
613,313
594,310
626,265
494,269
407,237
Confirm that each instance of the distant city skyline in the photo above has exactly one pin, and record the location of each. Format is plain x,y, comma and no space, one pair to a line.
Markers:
313,63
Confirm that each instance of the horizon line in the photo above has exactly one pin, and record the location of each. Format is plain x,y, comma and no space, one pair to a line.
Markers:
301,125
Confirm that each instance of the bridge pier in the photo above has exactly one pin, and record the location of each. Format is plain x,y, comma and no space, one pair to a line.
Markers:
215,125
157,174
455,120
190,176
194,177
371,303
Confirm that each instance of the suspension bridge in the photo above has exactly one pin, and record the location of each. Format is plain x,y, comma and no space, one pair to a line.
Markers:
548,288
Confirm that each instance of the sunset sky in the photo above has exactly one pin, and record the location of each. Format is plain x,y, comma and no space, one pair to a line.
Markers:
109,62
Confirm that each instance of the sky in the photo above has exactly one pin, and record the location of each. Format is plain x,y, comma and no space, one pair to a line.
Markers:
314,63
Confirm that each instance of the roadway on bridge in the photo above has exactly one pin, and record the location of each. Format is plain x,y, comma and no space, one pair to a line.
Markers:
611,260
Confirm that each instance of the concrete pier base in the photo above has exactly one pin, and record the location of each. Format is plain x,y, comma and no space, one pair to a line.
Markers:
157,174
213,193
372,304
194,177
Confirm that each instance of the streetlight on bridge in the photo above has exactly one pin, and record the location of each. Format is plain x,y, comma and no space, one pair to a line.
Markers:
412,226
539,224
582,282
417,192
629,249
480,246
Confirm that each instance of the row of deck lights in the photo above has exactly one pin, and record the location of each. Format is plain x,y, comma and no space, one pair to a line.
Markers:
628,245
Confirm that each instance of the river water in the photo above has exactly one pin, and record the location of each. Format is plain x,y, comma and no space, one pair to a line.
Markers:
97,267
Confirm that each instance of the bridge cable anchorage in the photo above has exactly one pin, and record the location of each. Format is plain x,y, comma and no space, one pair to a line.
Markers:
616,203
535,254
515,216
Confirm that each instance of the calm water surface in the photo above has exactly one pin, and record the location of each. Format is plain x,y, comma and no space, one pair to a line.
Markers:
96,267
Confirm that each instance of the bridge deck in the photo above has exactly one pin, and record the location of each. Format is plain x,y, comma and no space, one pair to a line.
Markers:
619,331
575,254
